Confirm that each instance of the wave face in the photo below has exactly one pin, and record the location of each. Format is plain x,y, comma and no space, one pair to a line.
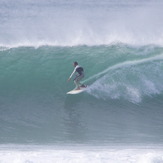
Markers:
67,23
123,103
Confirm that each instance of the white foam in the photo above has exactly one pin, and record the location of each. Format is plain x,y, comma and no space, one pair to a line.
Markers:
82,155
134,94
116,86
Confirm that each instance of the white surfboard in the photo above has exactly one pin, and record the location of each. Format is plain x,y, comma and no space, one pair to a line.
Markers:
76,91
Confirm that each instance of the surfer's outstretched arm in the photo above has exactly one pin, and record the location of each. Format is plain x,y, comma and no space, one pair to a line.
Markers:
72,74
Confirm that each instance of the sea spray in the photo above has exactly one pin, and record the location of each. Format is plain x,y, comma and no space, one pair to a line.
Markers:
72,23
129,80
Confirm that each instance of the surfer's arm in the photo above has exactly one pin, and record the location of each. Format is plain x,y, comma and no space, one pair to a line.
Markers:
72,74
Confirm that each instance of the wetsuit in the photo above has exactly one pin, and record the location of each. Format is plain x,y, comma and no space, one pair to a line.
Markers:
79,75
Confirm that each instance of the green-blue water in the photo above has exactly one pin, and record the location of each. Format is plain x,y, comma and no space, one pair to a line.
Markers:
123,102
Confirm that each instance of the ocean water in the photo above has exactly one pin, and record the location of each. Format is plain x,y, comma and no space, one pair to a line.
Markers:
118,119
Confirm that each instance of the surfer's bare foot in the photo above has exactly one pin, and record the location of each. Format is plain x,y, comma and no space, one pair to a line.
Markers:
83,86
78,88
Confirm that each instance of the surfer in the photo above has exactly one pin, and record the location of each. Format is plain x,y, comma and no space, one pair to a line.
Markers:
79,75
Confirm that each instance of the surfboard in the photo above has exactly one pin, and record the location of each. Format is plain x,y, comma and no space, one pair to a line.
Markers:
77,91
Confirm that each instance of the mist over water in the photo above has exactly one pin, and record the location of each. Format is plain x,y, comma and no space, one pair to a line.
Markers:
80,22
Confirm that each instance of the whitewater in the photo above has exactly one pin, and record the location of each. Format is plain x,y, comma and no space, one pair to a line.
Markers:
118,119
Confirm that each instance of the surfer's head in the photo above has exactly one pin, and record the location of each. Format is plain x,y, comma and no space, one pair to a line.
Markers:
75,64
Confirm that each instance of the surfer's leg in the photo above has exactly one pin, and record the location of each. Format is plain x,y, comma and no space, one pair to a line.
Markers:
77,83
78,79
